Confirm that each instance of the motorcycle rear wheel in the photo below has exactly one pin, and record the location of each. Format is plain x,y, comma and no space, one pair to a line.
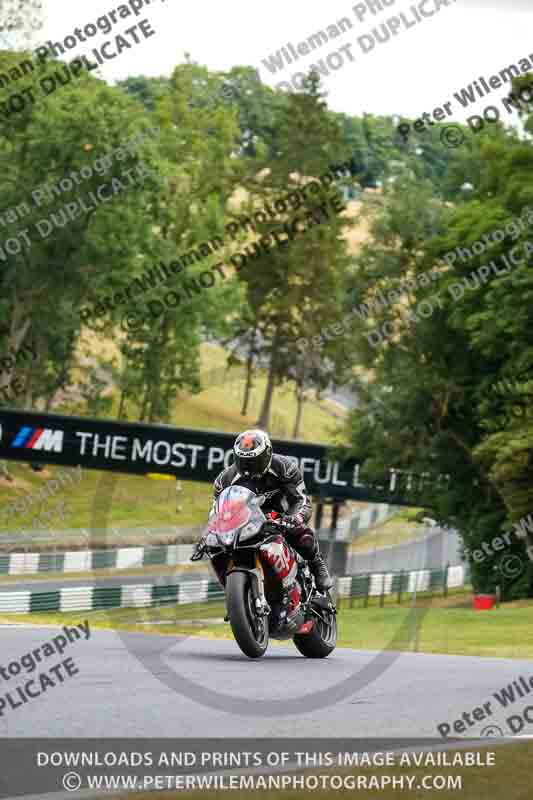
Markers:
250,630
322,639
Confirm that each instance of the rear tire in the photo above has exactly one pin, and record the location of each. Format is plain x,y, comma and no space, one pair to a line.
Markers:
244,622
321,641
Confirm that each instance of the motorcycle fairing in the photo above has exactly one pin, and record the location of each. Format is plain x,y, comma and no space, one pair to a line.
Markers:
279,556
236,512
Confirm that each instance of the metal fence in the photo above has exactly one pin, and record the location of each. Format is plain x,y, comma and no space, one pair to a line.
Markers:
382,584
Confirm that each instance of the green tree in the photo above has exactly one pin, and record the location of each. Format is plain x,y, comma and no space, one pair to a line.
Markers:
427,406
148,91
291,287
162,356
44,284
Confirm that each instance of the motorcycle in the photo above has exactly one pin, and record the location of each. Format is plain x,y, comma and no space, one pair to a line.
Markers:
270,590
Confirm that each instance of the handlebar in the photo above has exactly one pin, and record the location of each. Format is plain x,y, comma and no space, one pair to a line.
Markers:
199,551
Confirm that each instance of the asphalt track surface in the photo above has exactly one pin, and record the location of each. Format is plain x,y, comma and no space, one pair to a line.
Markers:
120,693
432,552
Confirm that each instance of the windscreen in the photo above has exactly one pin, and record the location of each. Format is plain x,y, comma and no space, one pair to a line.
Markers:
233,509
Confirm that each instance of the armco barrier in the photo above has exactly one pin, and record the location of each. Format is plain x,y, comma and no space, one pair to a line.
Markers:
92,598
89,560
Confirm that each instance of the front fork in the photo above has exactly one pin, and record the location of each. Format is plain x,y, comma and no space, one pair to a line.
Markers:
257,582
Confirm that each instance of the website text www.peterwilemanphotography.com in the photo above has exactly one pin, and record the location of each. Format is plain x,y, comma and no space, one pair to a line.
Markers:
266,392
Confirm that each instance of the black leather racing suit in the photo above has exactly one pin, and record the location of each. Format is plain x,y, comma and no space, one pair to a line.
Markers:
285,490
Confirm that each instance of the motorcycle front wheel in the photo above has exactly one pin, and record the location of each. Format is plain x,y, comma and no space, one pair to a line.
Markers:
249,629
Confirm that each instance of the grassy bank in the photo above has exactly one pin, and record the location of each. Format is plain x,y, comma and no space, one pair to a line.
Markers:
398,529
134,501
137,500
222,402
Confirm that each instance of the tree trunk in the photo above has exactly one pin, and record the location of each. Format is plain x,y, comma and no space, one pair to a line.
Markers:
144,406
153,403
154,413
59,384
249,372
4,471
121,404
300,400
264,417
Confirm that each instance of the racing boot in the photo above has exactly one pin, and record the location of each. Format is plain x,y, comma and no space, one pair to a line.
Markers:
319,569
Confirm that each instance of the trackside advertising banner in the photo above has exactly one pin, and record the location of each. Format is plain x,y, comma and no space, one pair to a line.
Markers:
188,454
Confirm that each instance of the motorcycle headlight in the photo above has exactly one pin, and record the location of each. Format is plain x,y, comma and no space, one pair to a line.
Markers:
249,530
226,538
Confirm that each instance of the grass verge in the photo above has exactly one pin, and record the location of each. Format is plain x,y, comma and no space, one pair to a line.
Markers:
500,633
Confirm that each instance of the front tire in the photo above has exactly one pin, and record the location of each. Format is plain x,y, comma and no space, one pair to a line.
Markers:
322,639
249,630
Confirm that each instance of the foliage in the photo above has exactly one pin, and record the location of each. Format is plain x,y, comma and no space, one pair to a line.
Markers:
430,406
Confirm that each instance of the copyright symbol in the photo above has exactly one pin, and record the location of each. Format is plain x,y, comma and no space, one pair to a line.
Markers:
452,136
492,730
71,781
132,321
511,566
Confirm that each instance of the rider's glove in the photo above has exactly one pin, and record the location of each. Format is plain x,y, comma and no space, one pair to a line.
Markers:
199,550
293,521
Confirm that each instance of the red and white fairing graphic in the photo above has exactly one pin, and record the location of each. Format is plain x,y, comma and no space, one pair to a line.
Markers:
281,559
279,556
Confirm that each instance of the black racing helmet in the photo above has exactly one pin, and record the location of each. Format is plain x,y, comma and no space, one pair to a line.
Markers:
253,453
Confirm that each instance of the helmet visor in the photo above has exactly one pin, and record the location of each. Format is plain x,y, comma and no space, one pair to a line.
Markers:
254,465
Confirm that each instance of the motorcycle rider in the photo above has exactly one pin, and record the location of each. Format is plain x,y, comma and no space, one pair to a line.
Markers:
257,468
